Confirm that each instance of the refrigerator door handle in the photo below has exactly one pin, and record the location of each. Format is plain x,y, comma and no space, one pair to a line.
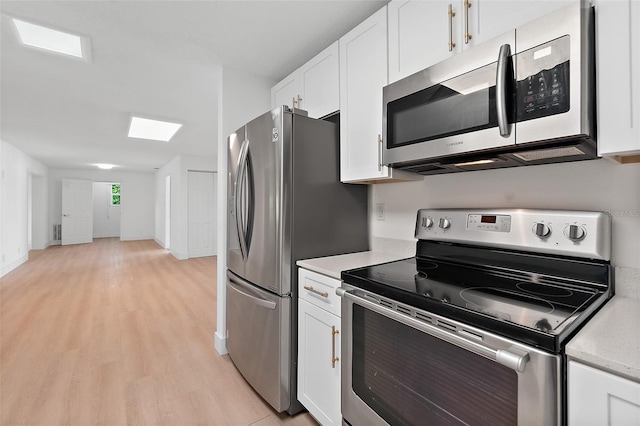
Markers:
240,225
237,286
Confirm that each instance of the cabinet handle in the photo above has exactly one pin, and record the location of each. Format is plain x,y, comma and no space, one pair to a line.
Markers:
313,290
299,102
467,35
295,101
379,152
334,358
451,15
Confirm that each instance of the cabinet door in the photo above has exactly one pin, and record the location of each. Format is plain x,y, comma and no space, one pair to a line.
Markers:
286,91
490,18
318,377
419,34
618,58
599,398
363,74
320,83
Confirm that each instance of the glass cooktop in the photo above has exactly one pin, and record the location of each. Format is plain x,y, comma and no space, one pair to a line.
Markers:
526,305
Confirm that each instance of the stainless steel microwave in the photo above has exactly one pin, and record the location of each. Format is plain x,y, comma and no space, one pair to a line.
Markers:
525,97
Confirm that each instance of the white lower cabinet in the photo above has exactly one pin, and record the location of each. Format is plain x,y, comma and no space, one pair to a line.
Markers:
600,398
319,347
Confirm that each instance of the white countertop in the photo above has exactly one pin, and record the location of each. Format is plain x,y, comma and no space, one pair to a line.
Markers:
332,266
611,339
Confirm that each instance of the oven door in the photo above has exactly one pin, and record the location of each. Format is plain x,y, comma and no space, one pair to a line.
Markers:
402,366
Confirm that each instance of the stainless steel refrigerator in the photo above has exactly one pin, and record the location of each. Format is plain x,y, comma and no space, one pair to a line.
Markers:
285,203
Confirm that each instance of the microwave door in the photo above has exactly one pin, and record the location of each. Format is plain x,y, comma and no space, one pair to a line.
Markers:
466,113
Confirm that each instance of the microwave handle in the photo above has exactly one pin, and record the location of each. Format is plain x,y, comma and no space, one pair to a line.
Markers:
501,90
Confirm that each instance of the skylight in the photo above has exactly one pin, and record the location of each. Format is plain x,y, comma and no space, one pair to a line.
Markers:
51,40
145,128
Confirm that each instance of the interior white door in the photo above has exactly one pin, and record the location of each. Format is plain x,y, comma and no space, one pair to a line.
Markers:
77,211
202,214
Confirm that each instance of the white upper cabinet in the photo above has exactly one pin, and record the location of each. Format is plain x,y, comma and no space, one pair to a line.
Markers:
420,33
320,83
286,92
618,68
424,32
363,74
314,87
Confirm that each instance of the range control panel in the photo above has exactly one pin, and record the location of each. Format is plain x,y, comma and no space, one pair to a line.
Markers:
569,233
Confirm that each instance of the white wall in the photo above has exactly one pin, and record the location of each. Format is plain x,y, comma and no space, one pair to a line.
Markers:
178,169
242,97
14,221
172,169
137,198
599,185
106,217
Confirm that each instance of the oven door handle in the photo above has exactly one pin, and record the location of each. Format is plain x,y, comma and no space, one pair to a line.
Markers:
514,358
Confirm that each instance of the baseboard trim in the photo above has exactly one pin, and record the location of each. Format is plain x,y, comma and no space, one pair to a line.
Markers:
13,265
180,256
221,344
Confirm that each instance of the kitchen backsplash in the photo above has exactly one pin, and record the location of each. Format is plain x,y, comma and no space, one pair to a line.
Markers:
596,185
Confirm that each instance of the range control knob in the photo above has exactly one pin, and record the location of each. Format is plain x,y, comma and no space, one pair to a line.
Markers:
575,232
541,230
444,223
427,222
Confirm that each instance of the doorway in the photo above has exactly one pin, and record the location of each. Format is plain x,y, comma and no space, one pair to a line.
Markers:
106,209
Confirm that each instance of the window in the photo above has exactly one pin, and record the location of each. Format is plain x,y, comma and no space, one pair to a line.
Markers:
115,194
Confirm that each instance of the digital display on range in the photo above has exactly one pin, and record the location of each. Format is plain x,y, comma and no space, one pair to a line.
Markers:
489,222
488,219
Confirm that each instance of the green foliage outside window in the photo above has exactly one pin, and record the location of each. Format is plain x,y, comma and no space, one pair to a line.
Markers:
115,194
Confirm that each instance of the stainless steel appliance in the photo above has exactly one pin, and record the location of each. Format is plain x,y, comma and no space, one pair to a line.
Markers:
472,329
286,203
526,97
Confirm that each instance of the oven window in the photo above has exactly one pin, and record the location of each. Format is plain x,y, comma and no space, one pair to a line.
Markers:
460,105
411,378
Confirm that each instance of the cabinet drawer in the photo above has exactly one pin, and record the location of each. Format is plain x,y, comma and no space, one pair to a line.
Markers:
319,290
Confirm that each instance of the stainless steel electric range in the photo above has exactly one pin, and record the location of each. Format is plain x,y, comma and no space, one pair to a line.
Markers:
472,329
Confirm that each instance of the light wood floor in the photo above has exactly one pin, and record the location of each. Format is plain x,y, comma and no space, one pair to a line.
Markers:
118,333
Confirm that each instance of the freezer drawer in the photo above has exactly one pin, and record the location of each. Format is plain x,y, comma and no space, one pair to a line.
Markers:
259,344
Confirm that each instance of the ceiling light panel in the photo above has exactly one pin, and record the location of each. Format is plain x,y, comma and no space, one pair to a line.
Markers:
51,40
105,166
145,128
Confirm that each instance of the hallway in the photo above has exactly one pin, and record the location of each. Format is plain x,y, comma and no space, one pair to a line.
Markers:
118,333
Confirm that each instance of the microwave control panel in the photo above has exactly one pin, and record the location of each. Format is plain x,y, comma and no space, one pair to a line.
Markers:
542,88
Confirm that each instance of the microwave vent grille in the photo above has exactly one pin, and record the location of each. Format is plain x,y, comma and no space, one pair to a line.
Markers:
543,154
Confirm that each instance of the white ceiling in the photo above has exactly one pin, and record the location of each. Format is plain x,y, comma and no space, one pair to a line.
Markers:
154,58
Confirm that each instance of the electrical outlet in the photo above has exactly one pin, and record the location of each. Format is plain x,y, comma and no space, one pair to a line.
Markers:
380,211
